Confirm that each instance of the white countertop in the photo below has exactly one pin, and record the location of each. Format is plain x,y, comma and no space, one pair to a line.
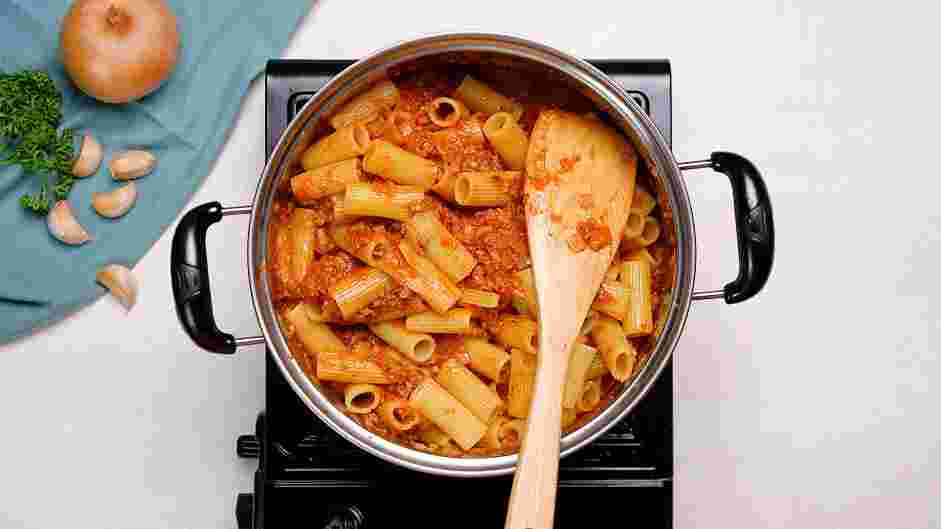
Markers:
813,405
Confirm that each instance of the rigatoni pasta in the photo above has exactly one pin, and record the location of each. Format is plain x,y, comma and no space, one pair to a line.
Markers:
469,390
362,398
356,291
520,332
346,143
316,336
580,358
366,106
487,359
399,265
453,418
486,188
638,316
508,139
447,112
616,351
398,165
522,380
415,345
479,298
441,248
482,98
454,321
326,180
398,415
648,235
388,201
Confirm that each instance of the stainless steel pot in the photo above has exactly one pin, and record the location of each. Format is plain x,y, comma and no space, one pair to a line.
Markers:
752,210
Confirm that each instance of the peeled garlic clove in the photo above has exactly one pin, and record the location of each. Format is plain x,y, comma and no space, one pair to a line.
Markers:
129,165
120,281
114,204
63,226
89,157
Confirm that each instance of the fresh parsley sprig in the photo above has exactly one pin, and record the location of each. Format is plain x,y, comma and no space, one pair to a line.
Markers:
30,113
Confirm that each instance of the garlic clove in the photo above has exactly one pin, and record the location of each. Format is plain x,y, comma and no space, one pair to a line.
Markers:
89,157
63,225
120,281
128,165
116,203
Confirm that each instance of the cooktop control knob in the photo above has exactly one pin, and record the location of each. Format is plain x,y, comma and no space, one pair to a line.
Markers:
349,517
247,446
245,510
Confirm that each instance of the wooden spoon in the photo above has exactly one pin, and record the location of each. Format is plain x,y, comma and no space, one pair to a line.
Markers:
580,181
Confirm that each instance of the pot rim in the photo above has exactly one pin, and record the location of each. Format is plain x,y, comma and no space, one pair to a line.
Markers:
604,92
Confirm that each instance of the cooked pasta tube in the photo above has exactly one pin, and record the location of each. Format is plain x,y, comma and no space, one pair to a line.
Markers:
508,139
317,337
643,201
612,299
441,248
447,413
469,390
379,315
580,358
524,301
617,352
479,298
486,188
590,397
356,291
302,228
399,126
454,321
520,332
487,359
481,98
597,368
348,142
398,415
415,345
428,281
344,367
638,317
381,200
370,249
340,216
400,166
522,379
446,112
362,398
366,106
444,187
648,235
326,180
633,226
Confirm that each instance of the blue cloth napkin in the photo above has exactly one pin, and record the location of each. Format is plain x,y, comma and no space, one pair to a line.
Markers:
224,45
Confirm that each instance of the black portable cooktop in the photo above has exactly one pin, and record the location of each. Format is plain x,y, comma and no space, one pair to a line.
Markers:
308,476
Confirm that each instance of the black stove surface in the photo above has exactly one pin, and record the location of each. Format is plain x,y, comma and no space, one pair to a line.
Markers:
309,475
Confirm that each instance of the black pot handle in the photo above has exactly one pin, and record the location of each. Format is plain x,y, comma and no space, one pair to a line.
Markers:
753,222
189,278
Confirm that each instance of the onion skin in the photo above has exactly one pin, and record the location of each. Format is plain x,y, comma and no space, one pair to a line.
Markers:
119,51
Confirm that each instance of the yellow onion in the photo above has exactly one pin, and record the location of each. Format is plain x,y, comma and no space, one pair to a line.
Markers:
119,50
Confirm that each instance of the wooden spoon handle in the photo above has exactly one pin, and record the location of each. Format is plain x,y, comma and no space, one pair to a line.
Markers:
532,500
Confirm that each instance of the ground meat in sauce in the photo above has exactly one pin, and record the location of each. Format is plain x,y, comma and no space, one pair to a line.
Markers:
496,237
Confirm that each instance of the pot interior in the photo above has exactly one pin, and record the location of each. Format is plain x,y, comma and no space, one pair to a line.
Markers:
516,66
